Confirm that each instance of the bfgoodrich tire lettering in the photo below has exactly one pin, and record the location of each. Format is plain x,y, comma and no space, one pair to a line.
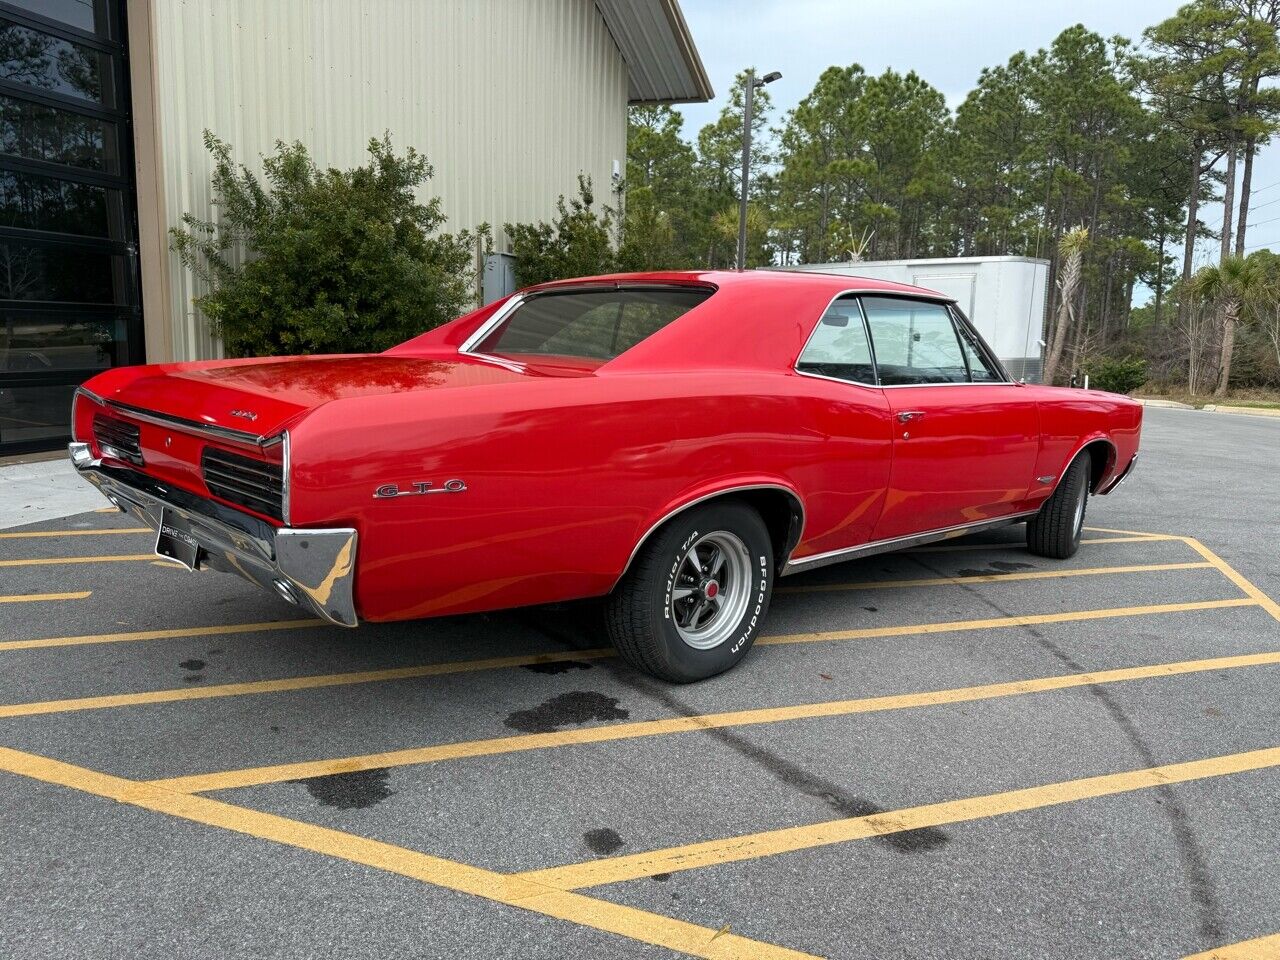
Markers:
663,617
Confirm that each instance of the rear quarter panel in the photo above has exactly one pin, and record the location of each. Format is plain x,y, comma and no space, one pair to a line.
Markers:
565,475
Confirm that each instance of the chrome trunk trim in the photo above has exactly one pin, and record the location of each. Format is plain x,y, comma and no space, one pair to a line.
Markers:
817,560
227,434
313,568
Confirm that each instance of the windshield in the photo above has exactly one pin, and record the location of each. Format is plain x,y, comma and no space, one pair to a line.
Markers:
594,324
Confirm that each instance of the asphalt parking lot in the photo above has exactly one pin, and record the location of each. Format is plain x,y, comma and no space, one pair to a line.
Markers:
961,751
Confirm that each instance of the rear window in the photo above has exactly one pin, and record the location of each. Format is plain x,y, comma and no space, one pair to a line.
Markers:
595,324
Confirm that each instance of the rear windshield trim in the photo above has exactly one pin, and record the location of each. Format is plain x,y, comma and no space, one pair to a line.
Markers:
486,329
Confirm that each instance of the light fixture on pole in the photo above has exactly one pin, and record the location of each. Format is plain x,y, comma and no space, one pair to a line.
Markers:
748,94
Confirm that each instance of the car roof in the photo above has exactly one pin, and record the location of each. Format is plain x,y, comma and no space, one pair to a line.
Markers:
747,280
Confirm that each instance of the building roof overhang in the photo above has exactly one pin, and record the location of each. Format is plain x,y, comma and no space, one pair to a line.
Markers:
662,60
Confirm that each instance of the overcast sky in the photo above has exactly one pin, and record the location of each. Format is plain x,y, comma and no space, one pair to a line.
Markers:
947,42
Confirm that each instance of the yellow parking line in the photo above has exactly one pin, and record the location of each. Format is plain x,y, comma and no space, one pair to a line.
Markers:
1024,620
59,561
289,684
26,597
174,633
993,578
496,663
1019,545
1263,948
1133,533
256,776
35,534
1234,576
512,891
789,839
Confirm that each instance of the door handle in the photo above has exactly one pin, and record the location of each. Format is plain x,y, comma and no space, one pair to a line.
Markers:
906,416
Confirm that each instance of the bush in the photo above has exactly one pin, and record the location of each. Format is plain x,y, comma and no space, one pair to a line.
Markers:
577,244
1118,374
325,261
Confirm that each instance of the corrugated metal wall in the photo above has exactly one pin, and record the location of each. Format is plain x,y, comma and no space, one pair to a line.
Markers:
509,100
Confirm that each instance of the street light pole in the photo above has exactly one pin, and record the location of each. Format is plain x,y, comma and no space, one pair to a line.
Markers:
748,95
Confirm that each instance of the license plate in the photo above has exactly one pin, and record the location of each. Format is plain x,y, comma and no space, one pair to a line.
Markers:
175,541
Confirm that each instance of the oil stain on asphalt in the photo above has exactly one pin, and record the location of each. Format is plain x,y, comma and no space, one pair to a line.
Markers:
603,841
997,567
557,666
575,707
350,791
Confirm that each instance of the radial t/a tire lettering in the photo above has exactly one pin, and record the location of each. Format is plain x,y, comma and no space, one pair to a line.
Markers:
696,594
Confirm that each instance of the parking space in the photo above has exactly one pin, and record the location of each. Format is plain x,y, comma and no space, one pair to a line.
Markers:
961,750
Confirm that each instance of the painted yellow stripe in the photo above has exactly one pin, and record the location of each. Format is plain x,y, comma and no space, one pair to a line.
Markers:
174,633
1133,533
256,776
59,561
289,684
790,839
1264,948
1025,620
993,578
496,663
1019,545
1234,576
585,911
25,597
36,534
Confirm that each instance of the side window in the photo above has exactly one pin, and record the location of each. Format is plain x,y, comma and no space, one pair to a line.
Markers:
980,370
838,346
915,342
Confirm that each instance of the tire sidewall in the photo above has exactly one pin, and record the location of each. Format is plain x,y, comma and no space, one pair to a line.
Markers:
680,659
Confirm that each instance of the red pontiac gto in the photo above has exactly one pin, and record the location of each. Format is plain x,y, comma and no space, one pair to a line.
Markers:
670,441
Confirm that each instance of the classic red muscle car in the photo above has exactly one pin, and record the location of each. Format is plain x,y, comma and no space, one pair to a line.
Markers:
670,441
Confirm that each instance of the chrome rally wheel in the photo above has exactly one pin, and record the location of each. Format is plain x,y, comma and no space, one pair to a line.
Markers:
696,593
712,588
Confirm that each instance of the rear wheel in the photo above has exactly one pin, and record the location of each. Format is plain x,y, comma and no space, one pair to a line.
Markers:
693,601
1055,530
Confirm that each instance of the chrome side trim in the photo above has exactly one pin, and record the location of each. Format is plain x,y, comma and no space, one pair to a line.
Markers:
900,543
227,434
314,569
711,496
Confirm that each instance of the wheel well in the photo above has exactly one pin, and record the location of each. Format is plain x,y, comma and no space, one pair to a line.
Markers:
782,514
1101,456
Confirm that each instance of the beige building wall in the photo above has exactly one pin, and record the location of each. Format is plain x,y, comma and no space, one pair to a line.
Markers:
509,99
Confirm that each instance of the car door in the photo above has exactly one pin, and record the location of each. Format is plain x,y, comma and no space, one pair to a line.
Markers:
965,438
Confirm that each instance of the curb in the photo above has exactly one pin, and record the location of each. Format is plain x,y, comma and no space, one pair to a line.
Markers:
1247,411
1171,404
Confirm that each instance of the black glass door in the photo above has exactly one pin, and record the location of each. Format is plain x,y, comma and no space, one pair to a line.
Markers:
69,301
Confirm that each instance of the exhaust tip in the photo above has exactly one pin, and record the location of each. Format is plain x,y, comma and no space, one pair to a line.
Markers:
285,589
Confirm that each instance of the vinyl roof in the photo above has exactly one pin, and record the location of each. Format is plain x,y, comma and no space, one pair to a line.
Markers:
661,58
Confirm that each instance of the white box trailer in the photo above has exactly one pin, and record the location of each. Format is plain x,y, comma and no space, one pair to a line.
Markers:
1005,297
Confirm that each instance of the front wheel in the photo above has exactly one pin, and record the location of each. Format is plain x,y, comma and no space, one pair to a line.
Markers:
1055,530
696,594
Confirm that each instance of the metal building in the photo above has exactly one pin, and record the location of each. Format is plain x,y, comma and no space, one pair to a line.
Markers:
104,104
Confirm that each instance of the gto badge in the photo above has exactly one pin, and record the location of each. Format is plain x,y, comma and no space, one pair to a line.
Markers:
244,414
388,490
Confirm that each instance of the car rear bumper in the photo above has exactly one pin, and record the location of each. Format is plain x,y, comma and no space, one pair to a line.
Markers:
314,569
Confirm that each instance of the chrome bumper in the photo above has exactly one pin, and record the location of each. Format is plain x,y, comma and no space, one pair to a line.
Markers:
314,569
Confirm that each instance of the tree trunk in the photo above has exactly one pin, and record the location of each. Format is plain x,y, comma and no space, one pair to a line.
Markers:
1228,204
1189,245
1229,311
1066,315
1246,182
1160,277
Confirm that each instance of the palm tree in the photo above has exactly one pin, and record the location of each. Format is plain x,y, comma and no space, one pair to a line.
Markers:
1070,272
1234,285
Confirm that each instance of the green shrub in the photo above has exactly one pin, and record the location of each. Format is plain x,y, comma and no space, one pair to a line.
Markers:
578,244
1118,374
325,261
